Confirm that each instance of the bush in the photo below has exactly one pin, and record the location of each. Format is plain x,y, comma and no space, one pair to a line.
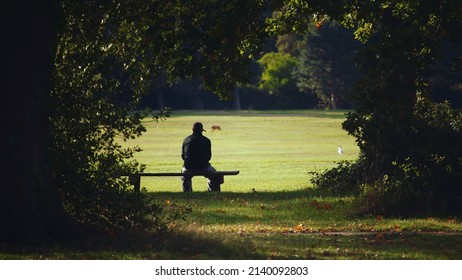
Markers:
344,179
96,92
426,181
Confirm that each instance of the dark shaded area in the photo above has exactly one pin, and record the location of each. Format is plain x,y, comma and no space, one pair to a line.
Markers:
187,95
140,246
362,246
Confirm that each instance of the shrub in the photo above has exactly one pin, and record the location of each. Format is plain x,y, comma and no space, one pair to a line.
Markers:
344,179
97,88
426,180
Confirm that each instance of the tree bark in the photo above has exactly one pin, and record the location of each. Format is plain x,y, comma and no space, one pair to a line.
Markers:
160,99
237,99
30,210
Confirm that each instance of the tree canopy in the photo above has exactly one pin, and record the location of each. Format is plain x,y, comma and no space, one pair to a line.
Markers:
277,71
402,41
326,64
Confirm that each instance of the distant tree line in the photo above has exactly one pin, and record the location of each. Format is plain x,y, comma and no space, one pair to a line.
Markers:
317,69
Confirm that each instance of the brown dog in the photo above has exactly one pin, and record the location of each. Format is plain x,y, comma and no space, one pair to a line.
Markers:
215,127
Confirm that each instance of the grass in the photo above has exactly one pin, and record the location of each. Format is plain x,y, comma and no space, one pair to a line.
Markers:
274,151
270,210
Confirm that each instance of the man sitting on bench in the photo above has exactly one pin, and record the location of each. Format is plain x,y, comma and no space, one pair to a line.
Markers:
196,153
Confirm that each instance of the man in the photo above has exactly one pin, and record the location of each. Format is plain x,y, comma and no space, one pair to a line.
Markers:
196,153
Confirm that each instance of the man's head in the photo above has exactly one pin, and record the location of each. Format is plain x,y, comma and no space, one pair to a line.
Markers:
198,127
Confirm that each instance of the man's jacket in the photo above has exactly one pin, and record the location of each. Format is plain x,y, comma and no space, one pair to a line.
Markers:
196,151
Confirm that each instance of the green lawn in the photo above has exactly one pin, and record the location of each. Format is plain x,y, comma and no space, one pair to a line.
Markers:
274,151
269,210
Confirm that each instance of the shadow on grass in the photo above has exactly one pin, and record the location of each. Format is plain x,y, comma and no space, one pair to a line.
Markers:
283,209
363,246
253,246
176,245
201,241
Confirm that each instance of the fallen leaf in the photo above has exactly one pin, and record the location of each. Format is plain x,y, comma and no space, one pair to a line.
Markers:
327,206
299,227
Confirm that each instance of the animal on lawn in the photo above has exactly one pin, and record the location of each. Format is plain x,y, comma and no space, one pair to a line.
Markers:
215,127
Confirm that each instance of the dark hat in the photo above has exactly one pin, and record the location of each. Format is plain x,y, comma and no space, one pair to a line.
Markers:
198,127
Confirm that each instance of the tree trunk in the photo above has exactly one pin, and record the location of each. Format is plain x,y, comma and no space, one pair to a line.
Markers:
237,99
333,102
160,99
30,209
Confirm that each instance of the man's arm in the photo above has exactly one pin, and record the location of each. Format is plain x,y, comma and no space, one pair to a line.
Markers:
182,151
209,150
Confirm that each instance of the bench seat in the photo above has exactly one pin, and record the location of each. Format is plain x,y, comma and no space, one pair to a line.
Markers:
136,178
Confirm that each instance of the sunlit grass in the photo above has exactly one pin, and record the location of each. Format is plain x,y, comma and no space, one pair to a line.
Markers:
271,203
274,151
302,211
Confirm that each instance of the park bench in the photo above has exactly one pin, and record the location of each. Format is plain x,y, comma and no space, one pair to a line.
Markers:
219,176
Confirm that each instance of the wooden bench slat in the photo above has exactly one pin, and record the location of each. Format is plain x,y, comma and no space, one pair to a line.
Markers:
189,173
220,174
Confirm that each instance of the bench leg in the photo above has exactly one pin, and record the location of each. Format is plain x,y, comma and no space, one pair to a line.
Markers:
136,181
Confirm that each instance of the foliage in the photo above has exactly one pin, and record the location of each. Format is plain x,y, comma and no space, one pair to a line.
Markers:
425,182
276,77
326,65
344,179
289,43
211,40
108,54
97,84
428,181
402,42
320,62
277,71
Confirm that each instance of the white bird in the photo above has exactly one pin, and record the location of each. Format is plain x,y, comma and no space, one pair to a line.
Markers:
340,150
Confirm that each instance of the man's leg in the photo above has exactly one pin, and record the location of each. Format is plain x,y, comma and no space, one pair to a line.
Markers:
187,182
213,182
